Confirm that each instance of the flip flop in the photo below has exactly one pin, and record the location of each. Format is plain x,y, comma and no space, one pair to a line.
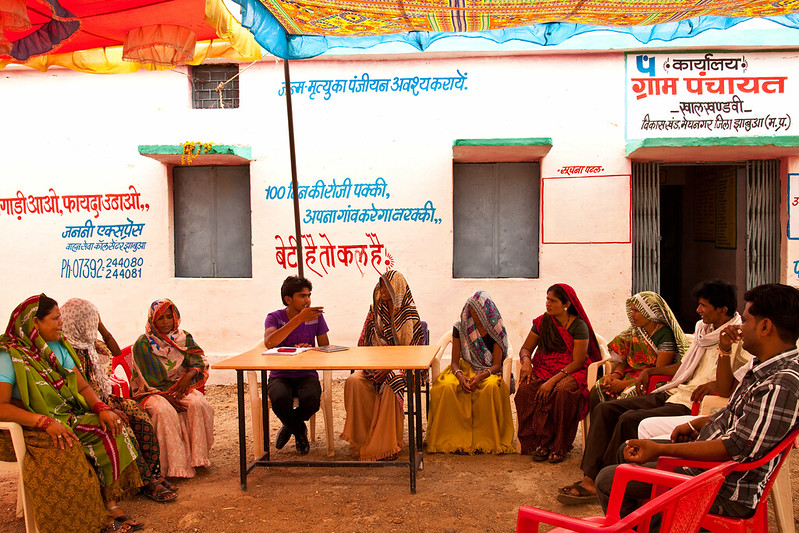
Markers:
567,498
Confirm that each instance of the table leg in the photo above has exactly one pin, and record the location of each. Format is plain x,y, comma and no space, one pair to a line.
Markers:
242,430
410,380
265,414
419,428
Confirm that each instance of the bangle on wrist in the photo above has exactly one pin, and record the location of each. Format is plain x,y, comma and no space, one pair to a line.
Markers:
563,370
43,422
99,407
692,427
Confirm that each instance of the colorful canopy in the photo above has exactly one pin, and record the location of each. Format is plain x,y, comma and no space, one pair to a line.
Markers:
299,29
154,33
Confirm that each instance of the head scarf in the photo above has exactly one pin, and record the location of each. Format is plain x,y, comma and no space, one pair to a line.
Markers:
380,330
594,354
405,329
57,396
45,387
161,359
654,308
473,347
81,321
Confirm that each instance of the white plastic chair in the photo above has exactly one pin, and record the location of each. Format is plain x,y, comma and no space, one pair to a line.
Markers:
593,372
257,414
24,506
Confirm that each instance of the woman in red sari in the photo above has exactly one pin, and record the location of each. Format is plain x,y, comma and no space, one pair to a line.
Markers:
552,397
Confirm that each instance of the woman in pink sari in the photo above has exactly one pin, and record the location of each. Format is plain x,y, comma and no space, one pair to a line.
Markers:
168,371
552,396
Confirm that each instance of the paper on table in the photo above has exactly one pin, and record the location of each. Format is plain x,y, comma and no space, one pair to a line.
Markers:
285,350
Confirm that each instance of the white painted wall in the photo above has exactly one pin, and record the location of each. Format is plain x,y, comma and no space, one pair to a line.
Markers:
79,134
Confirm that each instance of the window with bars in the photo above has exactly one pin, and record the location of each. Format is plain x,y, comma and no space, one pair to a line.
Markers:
205,90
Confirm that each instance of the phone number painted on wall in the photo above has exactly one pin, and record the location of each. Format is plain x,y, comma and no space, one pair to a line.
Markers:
102,268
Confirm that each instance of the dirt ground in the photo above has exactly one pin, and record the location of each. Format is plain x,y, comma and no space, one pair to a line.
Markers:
455,493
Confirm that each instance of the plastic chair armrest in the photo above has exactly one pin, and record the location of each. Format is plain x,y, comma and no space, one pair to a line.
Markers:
630,472
530,517
671,463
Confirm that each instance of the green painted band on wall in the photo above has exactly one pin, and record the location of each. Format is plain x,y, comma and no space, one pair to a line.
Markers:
682,142
245,152
527,141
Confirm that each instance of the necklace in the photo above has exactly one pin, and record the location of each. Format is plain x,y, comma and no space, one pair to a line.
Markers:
657,327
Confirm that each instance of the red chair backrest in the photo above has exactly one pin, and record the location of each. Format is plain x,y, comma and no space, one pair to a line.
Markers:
655,380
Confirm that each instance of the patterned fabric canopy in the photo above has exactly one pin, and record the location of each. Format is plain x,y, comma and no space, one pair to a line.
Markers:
366,17
299,29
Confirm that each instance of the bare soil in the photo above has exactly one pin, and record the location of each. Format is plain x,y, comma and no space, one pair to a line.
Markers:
455,493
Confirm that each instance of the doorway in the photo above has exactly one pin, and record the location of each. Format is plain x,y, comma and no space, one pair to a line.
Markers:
714,220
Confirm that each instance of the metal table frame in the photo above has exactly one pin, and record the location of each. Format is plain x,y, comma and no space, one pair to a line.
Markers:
415,455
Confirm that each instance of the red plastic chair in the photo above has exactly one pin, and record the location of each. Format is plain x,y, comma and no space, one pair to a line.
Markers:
120,381
681,508
120,387
759,521
655,380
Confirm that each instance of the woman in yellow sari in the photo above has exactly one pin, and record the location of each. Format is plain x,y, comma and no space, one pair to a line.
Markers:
469,402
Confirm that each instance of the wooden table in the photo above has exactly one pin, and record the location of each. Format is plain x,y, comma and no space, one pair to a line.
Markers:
412,359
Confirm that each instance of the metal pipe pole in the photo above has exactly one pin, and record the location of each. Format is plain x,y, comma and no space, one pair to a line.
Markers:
292,154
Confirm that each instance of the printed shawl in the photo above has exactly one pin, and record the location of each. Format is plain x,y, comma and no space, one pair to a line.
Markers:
47,388
634,346
160,360
380,330
473,347
81,321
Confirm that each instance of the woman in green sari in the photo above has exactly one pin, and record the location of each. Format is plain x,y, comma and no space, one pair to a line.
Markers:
653,340
41,391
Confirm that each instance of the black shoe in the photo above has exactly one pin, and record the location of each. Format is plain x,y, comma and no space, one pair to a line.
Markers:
283,437
301,441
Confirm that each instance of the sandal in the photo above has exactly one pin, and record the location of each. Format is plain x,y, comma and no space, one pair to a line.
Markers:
124,520
556,458
113,527
540,454
165,482
158,492
392,457
566,497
